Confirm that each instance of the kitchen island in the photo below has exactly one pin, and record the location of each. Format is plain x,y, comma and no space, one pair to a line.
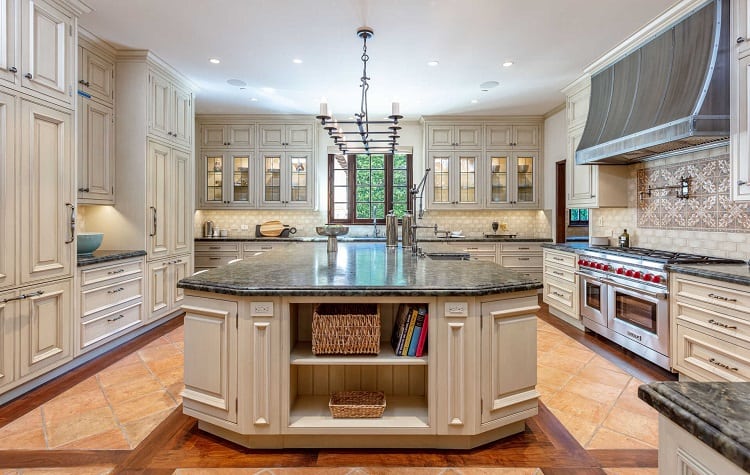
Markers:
251,376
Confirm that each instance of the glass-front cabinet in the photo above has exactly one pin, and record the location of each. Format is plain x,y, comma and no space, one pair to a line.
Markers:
286,180
512,179
454,180
227,180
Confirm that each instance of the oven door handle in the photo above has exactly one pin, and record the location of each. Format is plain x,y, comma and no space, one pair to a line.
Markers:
657,295
589,276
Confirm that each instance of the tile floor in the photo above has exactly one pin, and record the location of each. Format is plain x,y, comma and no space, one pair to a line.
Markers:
116,409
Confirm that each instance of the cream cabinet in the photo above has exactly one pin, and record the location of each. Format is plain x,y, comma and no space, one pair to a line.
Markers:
710,329
285,135
455,179
162,277
170,109
168,182
589,186
478,251
8,333
209,255
96,152
96,68
10,56
8,200
450,136
286,179
512,179
517,137
240,136
561,284
739,110
522,257
226,179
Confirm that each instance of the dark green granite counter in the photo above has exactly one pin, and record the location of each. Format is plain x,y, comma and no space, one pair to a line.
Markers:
567,246
346,238
357,269
716,413
734,273
107,255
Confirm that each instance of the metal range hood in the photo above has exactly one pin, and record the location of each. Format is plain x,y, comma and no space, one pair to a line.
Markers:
670,94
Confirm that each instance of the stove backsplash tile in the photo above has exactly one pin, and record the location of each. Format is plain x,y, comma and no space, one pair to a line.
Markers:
708,222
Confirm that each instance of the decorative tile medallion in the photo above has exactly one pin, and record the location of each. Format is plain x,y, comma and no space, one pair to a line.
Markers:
709,206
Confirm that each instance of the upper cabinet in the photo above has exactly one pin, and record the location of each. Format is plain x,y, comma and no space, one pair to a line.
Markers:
226,179
286,179
449,136
518,137
96,71
298,136
10,56
453,182
170,110
589,186
238,136
512,179
740,112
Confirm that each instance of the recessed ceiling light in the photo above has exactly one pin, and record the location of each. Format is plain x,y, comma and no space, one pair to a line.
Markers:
236,82
297,61
254,99
507,64
432,63
214,60
474,101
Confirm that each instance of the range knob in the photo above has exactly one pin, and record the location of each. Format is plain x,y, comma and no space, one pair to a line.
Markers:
648,277
629,273
580,262
637,275
599,265
656,279
620,270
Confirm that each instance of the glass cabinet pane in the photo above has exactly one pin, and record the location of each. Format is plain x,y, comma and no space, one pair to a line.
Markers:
441,175
467,180
214,178
298,179
272,178
498,179
525,179
240,178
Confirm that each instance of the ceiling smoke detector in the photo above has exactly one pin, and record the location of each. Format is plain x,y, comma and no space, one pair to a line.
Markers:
487,85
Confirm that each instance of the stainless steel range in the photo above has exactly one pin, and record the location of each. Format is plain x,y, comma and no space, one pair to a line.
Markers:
624,296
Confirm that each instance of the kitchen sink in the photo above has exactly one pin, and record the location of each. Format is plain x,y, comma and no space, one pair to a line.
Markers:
448,256
499,236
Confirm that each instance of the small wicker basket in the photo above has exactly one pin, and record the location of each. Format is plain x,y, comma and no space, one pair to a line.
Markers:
346,329
357,404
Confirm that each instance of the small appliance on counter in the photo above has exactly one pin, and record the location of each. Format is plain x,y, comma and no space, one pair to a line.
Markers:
208,229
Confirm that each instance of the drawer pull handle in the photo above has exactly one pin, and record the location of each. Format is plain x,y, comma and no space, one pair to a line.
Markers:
24,296
116,290
116,318
266,247
118,271
722,365
214,247
524,258
723,325
558,258
214,258
557,273
524,248
721,297
558,294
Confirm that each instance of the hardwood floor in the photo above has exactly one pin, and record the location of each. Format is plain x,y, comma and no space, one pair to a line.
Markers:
178,443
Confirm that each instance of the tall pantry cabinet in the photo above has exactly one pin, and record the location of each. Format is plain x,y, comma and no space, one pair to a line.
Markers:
154,130
37,186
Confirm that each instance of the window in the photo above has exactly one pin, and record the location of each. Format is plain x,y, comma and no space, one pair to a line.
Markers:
578,217
362,187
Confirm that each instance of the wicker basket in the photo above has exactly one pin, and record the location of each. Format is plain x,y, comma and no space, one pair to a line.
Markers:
357,404
346,329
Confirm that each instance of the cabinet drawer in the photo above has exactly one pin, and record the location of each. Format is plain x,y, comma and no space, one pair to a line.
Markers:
560,295
473,247
217,246
706,358
99,298
100,327
718,298
214,260
568,275
521,247
562,259
481,257
521,261
257,247
114,271
721,325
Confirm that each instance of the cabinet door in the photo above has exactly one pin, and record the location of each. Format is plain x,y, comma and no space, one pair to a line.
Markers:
46,50
440,136
8,335
469,136
9,29
159,298
499,178
8,203
509,359
526,137
297,186
180,212
262,337
181,268
158,199
500,136
740,170
581,178
740,27
96,149
45,317
465,179
211,358
160,107
454,181
526,165
45,193
213,136
272,135
241,186
96,75
272,191
298,136
181,116
211,176
240,136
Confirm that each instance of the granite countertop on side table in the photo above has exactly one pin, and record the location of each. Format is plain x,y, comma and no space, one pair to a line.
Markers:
733,273
716,413
107,255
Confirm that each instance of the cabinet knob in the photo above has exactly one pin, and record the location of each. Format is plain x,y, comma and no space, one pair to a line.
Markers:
84,190
740,39
85,83
28,76
13,69
741,182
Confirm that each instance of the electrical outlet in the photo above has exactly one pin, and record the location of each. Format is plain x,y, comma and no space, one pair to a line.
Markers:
601,222
243,227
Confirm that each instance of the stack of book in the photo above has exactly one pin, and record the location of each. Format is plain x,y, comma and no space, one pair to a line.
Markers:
409,336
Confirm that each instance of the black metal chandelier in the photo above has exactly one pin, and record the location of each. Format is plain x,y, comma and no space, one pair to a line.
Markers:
370,136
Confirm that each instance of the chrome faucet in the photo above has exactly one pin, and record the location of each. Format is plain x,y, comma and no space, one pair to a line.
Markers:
415,250
376,231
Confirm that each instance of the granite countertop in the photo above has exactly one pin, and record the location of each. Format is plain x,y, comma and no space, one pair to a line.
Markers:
717,413
567,246
357,269
346,238
107,255
734,273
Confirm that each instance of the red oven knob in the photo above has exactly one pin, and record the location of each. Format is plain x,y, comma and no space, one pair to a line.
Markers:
637,275
599,265
648,277
656,279
620,270
580,262
629,273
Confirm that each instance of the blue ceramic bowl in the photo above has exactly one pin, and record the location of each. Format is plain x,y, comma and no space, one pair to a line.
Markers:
89,242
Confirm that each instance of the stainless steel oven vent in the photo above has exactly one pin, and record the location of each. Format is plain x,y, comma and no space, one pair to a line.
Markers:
670,94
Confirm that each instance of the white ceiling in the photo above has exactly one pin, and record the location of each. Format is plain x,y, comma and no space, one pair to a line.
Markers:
550,41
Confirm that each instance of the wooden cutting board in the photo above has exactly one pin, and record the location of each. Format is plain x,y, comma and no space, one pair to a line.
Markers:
271,228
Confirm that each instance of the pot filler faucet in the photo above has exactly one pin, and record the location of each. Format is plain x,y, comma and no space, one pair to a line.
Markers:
417,193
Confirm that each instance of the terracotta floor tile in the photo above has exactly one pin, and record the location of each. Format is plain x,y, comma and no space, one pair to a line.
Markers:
112,439
605,376
79,426
573,350
608,439
546,393
580,428
171,376
161,341
78,402
130,359
156,353
593,390
176,391
167,363
580,406
131,389
552,377
636,425
144,406
177,335
108,377
31,439
630,401
599,362
139,429
27,422
566,365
